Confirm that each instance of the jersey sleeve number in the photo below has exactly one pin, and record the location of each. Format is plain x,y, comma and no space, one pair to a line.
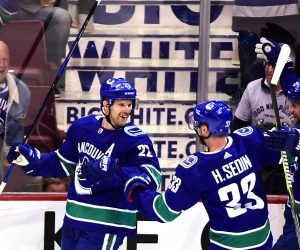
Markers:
233,207
145,150
174,184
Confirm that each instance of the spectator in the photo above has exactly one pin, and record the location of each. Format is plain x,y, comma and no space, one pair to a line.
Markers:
57,22
55,184
14,99
255,108
79,14
274,19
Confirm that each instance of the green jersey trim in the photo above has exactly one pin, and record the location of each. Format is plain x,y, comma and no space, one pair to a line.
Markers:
109,241
162,210
243,240
155,174
110,216
68,166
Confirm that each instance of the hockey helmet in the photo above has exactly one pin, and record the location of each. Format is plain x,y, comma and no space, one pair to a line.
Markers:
294,92
217,115
117,88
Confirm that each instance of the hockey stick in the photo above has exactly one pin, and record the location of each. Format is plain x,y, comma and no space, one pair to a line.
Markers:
52,88
281,61
36,42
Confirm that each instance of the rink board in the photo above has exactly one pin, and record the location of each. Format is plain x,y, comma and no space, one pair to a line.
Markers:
31,222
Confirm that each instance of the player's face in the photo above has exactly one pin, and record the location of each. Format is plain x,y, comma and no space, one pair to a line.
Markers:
119,112
269,72
294,108
4,61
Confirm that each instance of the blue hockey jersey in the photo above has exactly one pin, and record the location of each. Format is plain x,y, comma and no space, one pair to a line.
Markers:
296,191
86,140
295,173
229,185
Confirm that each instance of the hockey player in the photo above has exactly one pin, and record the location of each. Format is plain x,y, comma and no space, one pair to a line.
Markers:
286,139
226,178
97,214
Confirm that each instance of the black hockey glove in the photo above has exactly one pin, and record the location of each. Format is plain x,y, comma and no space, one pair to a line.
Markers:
264,126
286,139
25,156
278,33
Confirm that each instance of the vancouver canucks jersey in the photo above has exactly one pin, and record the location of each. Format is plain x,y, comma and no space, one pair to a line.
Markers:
86,140
295,173
229,185
296,187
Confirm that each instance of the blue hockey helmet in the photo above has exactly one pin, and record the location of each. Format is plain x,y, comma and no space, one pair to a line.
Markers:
294,92
217,115
117,88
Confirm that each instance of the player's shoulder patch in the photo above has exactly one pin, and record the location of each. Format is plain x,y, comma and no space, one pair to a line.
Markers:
189,161
244,131
133,130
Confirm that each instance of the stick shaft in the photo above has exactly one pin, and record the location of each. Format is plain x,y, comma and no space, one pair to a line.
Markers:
281,61
58,76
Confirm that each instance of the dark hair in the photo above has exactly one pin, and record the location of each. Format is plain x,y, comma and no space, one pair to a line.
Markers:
48,181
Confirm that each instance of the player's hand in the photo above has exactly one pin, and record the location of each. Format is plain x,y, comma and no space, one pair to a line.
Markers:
134,183
97,170
267,50
284,139
25,156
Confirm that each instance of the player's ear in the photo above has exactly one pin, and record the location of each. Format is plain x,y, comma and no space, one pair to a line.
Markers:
105,103
105,108
203,130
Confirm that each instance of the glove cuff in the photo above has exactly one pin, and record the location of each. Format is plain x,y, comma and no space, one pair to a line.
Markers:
134,192
134,184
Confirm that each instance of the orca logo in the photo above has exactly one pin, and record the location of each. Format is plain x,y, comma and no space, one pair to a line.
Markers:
189,162
133,131
244,131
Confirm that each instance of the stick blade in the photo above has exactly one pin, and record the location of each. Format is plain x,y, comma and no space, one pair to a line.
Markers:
281,61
